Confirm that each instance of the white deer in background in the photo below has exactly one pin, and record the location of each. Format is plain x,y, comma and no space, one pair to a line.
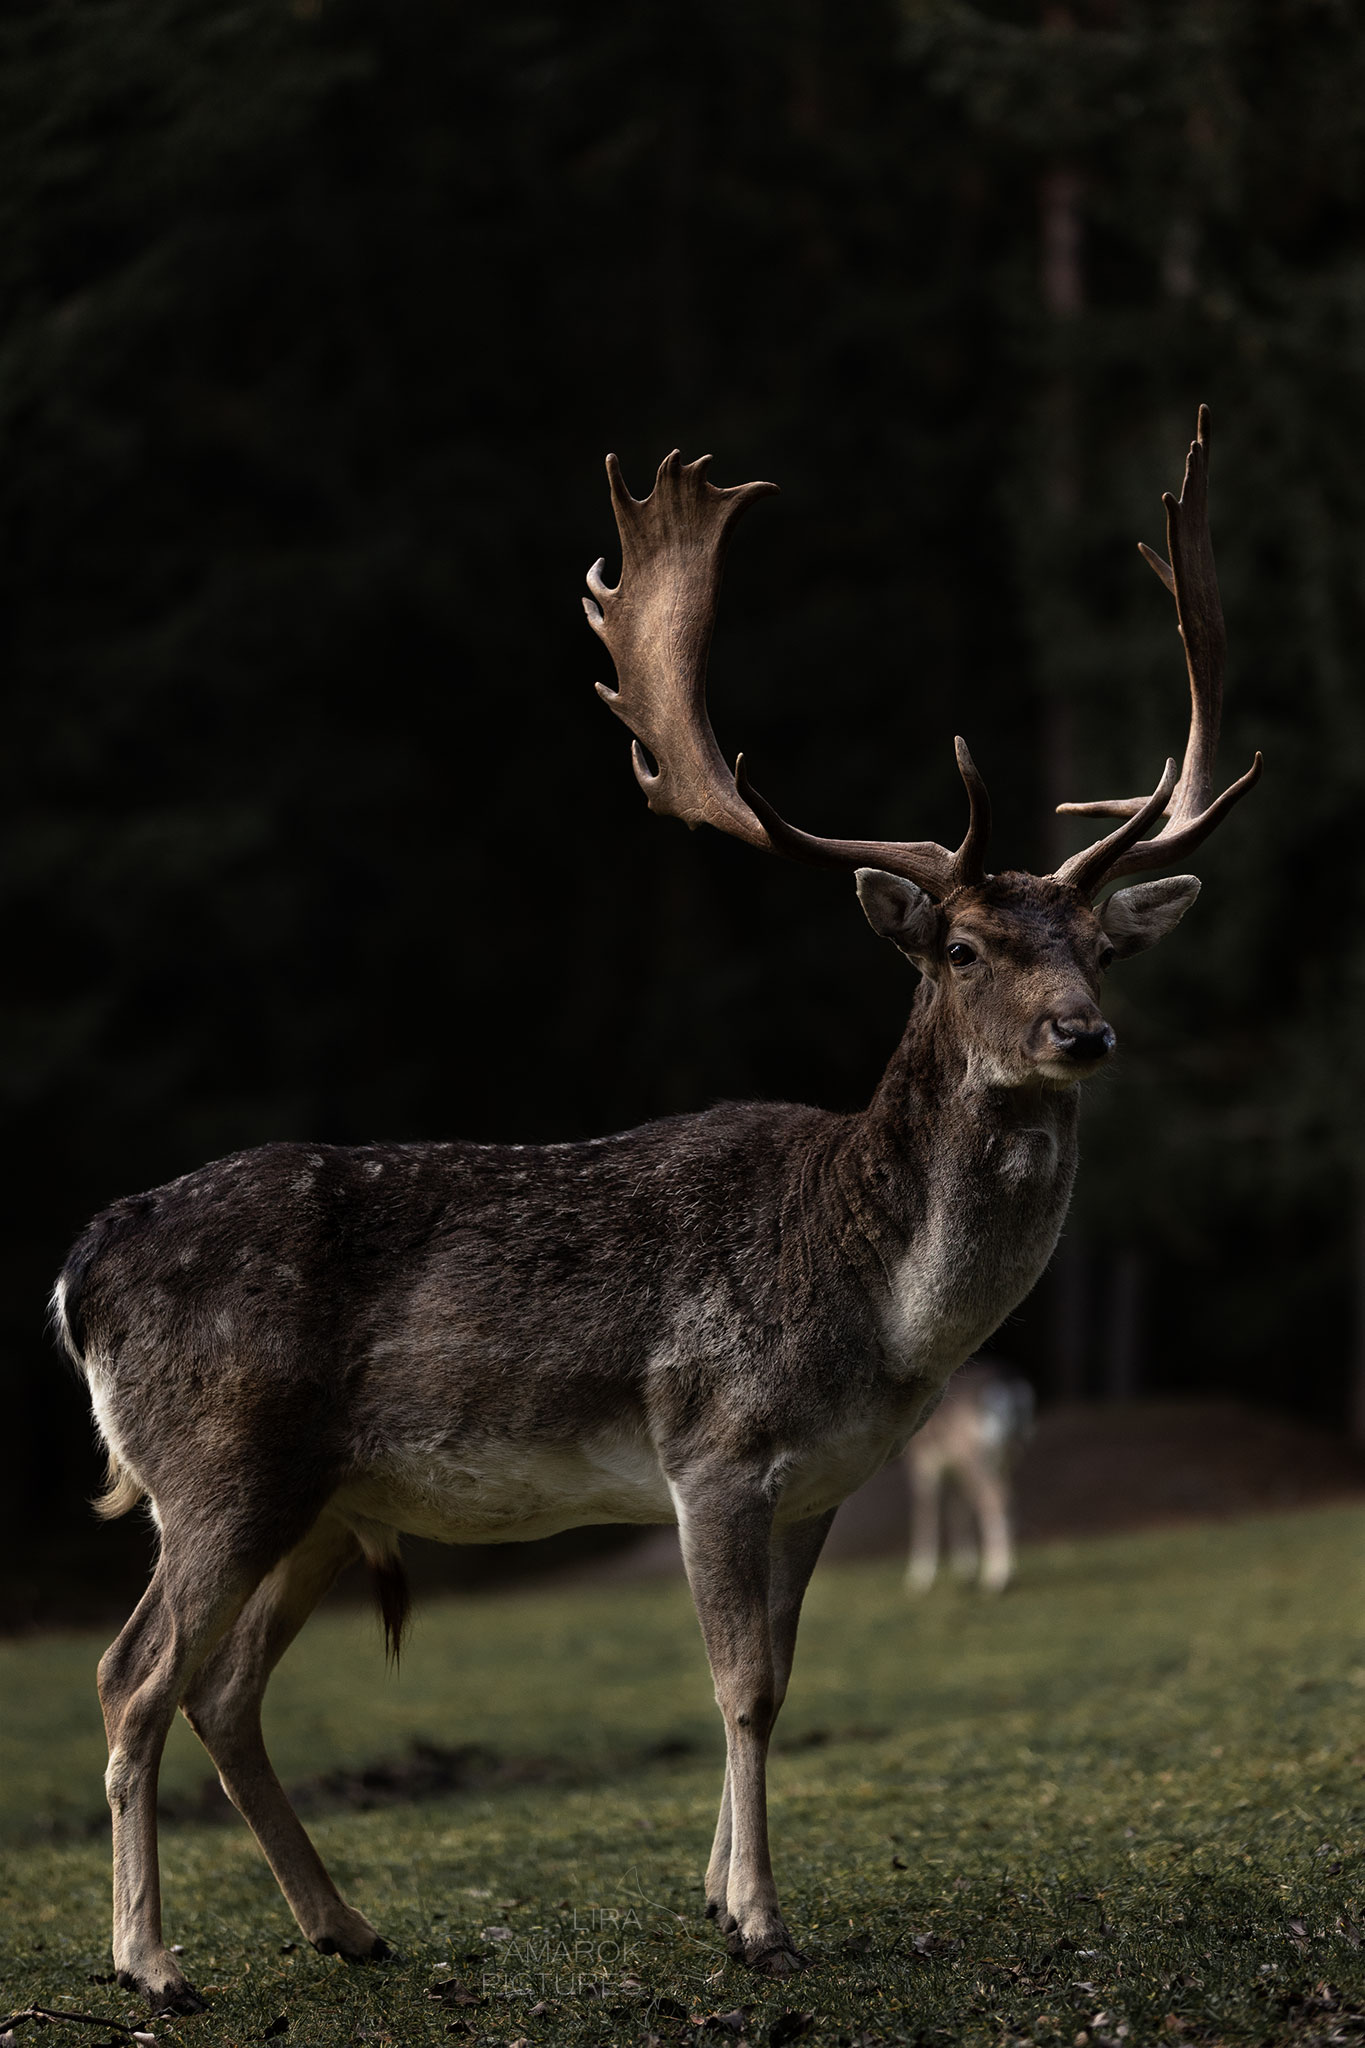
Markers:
958,1464
727,1320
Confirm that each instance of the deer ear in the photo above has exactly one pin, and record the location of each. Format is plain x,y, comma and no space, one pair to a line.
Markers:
898,909
1136,918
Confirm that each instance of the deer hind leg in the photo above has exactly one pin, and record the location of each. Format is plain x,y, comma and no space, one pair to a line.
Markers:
223,1706
926,1488
961,1523
141,1677
726,1533
792,1558
990,1498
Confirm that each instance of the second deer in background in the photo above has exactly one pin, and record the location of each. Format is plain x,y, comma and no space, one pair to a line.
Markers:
959,1466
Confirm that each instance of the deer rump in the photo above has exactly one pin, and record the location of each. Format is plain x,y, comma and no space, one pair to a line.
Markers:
485,1343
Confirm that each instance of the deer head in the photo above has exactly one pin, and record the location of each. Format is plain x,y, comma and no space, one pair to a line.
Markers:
1013,961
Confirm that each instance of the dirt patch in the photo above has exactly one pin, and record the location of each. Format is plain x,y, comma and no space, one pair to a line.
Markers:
425,1770
1094,1470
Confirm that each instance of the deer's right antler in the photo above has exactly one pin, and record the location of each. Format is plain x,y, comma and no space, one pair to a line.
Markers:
1194,811
657,625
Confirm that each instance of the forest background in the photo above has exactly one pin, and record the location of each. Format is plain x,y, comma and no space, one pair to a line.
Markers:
318,322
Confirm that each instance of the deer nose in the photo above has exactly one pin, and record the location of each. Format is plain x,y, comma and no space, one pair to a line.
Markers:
1081,1034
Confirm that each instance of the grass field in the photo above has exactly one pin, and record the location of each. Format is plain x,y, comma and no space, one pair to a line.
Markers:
1123,1804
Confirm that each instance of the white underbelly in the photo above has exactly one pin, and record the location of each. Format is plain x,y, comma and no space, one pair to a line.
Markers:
510,1492
514,1493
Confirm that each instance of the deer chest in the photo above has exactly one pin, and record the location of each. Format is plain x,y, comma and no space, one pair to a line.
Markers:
983,1241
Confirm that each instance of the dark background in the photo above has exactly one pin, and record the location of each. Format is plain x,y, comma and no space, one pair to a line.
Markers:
318,322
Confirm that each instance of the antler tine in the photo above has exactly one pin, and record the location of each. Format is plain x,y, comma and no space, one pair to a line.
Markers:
657,624
1085,871
1192,580
933,867
969,861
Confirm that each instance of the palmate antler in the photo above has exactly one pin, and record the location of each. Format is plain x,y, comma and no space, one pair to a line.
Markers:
657,625
1192,581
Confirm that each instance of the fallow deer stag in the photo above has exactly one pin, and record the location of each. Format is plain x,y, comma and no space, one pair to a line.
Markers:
728,1320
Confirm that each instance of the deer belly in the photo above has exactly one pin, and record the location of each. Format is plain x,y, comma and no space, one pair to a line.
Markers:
510,1492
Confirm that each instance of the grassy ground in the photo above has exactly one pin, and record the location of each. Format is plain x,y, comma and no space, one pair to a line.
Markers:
1124,1804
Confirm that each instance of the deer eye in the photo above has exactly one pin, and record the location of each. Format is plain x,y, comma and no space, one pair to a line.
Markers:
1106,958
961,955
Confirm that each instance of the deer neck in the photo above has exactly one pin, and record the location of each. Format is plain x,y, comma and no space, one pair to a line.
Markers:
961,1191
935,1095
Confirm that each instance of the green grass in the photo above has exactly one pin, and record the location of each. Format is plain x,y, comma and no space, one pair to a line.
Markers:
1132,1788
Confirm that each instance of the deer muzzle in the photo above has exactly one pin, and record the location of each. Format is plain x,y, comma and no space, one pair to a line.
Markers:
1079,1035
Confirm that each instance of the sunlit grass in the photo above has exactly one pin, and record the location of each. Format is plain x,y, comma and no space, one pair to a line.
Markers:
1132,1788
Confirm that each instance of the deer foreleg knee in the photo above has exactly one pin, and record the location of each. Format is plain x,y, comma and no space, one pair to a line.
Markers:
752,1709
120,1778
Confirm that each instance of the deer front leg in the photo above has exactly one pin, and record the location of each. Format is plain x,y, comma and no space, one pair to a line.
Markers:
726,1527
793,1554
925,1517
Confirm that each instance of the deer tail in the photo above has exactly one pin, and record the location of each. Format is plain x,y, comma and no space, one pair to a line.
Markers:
121,1491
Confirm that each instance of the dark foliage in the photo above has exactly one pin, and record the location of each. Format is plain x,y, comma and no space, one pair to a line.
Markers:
319,323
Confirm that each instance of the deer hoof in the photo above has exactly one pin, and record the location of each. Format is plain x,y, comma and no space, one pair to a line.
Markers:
778,1962
375,1951
169,1995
